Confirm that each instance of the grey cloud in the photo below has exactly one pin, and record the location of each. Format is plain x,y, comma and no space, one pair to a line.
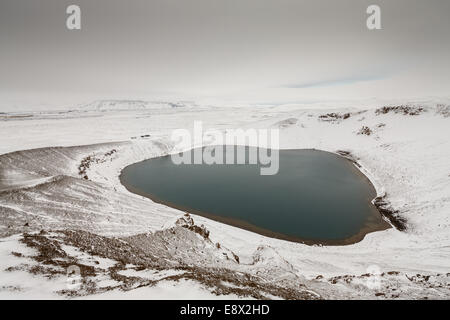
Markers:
215,47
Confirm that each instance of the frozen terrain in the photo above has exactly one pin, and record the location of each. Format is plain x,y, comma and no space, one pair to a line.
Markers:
62,207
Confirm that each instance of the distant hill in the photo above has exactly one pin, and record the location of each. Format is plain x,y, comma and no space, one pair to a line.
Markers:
109,105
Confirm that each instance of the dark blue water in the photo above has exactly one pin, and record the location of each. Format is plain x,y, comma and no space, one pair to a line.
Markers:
316,197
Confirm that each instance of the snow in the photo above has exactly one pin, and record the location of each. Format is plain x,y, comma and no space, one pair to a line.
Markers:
21,284
166,290
406,159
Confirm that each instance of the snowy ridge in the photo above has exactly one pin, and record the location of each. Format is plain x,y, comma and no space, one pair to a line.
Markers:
129,105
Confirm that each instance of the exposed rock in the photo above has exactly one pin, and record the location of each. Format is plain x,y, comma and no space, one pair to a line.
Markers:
443,109
87,161
334,116
365,130
187,222
403,109
392,215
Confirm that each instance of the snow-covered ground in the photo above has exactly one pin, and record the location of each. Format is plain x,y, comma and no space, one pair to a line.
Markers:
405,155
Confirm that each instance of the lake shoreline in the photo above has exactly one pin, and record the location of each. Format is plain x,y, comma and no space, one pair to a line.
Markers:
369,227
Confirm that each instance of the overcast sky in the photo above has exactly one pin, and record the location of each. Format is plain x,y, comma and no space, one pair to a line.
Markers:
275,51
